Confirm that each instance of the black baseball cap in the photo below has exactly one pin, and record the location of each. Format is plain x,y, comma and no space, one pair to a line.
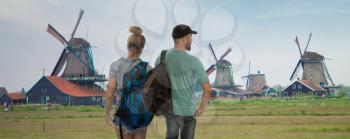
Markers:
182,30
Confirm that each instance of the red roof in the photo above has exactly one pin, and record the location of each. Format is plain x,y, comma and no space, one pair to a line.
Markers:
75,89
16,96
312,86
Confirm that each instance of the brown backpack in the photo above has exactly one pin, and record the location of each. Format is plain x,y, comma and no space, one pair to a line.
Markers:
157,88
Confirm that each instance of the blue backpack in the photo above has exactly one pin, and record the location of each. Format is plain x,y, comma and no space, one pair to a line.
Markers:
133,112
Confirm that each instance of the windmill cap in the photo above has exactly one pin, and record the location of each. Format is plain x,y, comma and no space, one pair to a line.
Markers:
182,30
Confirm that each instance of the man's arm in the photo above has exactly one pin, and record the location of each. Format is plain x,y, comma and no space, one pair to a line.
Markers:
205,99
203,79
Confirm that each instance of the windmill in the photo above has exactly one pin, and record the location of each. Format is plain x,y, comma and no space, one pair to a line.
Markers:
255,82
313,65
223,82
76,58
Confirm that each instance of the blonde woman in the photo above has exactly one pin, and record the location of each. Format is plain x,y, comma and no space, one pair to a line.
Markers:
126,79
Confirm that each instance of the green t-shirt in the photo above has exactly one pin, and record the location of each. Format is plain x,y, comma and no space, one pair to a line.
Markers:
184,71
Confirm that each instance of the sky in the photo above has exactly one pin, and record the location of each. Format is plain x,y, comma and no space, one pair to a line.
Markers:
262,32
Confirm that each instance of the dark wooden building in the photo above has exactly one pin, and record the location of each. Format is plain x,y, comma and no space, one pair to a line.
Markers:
303,86
3,96
56,90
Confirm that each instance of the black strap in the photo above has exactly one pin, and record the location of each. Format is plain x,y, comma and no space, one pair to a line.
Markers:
120,129
162,56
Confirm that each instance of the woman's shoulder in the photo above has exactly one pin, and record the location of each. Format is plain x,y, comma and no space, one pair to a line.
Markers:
117,63
125,61
120,60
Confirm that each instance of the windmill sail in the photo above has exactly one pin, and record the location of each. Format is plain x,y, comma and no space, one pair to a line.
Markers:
226,53
298,44
295,71
55,34
327,73
61,61
248,76
81,12
212,51
307,45
211,69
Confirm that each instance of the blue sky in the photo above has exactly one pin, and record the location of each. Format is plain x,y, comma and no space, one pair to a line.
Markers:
262,31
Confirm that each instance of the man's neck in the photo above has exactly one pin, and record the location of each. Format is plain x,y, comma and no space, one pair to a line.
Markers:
180,48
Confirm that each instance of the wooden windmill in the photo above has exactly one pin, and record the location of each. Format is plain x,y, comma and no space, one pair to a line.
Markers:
224,74
313,65
255,82
76,58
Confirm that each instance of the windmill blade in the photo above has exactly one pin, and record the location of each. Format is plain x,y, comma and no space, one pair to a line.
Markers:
211,69
249,68
81,12
307,45
298,44
295,70
212,51
327,73
57,35
226,53
248,77
60,62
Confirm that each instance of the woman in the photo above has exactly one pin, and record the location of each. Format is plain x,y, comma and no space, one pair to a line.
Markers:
118,69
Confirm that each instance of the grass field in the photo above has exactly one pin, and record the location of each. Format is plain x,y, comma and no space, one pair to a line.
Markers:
261,118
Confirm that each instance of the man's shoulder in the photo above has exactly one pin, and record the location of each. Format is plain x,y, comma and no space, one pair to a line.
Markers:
194,58
168,51
175,53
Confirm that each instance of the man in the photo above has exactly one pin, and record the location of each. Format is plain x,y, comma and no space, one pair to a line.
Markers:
184,71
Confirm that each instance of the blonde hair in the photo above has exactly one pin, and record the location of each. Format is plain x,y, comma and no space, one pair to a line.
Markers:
136,40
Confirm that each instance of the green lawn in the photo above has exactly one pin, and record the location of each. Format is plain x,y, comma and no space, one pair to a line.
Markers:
261,118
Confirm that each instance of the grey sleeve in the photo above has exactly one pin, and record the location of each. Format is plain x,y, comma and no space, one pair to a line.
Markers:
199,71
113,70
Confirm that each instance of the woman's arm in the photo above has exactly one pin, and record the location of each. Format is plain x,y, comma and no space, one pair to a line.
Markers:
112,84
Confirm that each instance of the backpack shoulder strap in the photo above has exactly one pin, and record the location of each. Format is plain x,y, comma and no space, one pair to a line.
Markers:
162,56
133,64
